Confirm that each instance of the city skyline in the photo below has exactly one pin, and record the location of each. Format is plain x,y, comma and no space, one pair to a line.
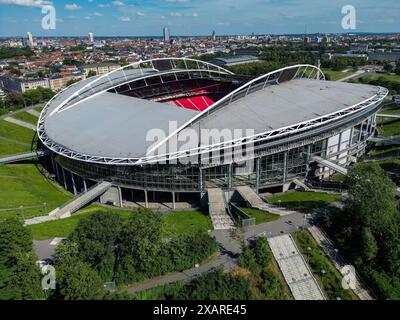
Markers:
194,17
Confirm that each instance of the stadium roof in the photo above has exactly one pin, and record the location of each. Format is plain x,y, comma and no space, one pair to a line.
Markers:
113,125
291,102
231,60
90,122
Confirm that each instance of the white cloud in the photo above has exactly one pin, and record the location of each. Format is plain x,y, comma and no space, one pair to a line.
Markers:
177,1
72,7
118,3
27,3
124,19
104,5
98,14
176,14
140,14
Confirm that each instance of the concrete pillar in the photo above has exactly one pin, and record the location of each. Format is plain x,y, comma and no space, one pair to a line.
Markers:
285,187
132,195
64,180
145,199
53,165
339,145
173,200
361,131
200,180
285,166
229,182
73,184
258,166
120,197
85,185
308,158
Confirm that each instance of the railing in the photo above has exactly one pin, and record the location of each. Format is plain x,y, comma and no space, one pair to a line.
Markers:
342,262
242,217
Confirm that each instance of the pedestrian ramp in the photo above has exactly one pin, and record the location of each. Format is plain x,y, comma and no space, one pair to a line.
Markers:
301,184
217,210
255,201
330,165
24,156
295,269
74,204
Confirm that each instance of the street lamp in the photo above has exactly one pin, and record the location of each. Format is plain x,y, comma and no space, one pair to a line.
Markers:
22,212
279,201
308,252
323,271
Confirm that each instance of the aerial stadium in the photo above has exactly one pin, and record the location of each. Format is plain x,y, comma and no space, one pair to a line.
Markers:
294,126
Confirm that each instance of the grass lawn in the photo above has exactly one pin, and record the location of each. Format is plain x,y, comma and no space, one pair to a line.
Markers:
187,222
389,127
387,76
14,139
39,108
384,150
64,227
337,177
260,215
331,281
388,110
304,201
336,75
177,223
26,117
24,185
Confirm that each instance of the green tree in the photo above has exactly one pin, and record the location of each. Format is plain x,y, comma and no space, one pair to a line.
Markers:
19,275
141,242
369,247
96,237
397,69
262,252
76,280
91,74
368,229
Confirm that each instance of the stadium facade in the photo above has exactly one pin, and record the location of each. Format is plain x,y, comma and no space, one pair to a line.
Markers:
265,131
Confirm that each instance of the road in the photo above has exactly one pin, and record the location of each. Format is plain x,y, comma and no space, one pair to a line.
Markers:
354,75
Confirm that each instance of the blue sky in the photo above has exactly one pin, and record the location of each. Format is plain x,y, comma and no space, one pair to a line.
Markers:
195,17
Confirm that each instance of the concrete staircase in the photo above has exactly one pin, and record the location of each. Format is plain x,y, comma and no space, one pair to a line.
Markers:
217,210
73,205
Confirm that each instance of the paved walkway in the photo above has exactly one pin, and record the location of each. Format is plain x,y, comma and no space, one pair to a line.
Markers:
295,269
20,123
337,260
33,112
20,110
354,75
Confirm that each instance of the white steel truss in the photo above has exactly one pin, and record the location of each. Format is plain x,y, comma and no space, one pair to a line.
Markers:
301,71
